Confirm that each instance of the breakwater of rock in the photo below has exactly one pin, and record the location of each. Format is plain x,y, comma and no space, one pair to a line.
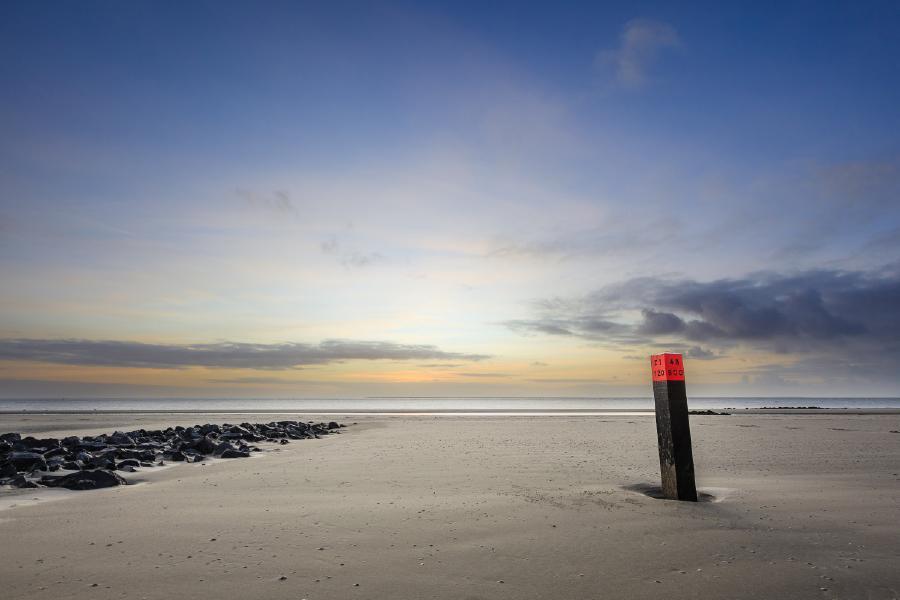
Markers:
95,461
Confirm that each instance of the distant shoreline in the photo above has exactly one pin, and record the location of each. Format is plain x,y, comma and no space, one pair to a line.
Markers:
461,412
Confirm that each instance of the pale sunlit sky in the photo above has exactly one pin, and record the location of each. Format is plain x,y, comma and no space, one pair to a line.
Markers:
466,198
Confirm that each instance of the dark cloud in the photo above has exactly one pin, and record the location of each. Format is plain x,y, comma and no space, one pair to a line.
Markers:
233,355
660,323
700,354
786,313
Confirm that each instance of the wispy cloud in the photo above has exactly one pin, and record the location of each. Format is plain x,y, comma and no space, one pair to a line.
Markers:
640,43
350,258
483,374
569,381
233,355
256,381
278,201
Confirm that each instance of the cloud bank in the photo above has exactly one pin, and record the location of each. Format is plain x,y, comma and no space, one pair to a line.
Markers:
846,318
232,355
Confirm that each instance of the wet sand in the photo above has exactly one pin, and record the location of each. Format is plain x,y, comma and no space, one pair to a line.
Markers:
805,506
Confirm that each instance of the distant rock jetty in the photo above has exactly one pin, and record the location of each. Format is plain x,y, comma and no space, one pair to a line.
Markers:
25,462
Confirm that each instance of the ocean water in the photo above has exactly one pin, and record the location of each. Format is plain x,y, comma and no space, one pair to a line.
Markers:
427,405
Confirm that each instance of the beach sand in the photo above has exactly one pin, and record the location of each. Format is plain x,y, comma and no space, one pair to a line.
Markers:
806,506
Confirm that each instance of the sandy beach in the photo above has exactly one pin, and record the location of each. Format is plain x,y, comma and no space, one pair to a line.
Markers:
806,506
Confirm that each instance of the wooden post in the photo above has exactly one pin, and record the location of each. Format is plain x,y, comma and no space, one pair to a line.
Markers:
676,461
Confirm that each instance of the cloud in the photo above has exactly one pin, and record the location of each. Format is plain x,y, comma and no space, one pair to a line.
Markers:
350,258
360,259
640,43
234,355
256,380
279,201
700,353
483,374
660,323
835,329
575,381
846,314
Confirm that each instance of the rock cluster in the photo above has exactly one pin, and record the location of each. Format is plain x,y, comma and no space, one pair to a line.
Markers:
26,462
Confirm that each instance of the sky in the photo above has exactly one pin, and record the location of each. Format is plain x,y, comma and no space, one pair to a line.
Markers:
287,199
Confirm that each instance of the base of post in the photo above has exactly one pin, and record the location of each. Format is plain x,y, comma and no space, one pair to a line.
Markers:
676,460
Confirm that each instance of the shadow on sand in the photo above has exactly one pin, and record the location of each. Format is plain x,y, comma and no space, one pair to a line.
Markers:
655,491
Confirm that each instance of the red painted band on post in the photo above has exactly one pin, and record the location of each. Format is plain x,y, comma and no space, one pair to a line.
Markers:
667,367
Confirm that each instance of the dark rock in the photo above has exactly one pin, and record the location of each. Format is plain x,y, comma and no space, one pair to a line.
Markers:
86,480
205,445
107,460
193,456
58,451
31,442
27,461
130,453
91,445
231,453
20,482
120,439
222,447
133,449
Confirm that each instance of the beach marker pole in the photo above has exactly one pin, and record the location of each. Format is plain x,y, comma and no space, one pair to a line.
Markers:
676,461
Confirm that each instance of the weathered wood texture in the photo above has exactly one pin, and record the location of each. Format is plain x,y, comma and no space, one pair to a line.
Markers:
673,431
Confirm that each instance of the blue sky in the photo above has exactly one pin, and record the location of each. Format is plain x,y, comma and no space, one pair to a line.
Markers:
286,199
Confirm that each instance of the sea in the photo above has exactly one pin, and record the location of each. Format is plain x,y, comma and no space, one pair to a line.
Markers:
426,405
